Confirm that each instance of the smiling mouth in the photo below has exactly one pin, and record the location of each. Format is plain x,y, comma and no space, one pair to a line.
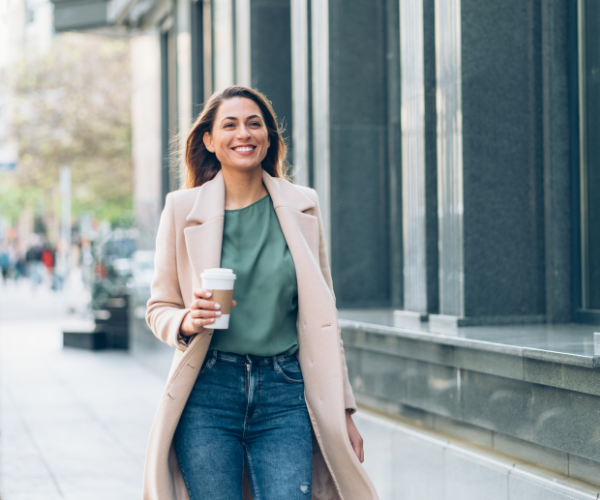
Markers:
244,149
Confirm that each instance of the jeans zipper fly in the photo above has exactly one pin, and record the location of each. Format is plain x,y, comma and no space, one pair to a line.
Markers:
247,380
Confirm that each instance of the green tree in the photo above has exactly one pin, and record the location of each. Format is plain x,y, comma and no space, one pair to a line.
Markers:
71,107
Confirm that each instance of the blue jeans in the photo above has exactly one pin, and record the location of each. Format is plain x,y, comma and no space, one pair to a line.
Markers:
246,409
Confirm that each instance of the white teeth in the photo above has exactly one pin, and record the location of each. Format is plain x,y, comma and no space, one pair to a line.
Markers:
243,150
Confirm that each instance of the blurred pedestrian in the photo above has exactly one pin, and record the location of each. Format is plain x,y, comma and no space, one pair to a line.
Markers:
238,395
33,257
20,266
47,259
5,263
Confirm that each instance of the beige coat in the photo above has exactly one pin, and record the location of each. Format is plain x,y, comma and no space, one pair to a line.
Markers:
189,240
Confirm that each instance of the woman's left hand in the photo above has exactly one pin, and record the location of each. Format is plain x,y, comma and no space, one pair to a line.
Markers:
356,439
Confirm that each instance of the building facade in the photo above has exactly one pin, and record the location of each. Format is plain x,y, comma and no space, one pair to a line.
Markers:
454,147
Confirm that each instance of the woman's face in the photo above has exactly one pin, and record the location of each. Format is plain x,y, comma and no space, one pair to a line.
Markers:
239,136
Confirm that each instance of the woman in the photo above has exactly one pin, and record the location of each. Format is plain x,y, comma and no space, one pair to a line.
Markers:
240,403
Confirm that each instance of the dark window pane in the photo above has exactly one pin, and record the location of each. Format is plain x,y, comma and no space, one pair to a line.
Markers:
591,157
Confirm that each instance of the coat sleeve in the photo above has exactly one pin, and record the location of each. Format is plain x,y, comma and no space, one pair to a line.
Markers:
326,271
166,308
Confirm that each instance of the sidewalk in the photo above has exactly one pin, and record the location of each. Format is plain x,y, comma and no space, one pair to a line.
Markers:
73,424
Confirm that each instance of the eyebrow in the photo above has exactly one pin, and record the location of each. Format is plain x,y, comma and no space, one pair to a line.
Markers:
235,119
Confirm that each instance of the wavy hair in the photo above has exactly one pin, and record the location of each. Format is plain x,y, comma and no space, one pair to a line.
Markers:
202,165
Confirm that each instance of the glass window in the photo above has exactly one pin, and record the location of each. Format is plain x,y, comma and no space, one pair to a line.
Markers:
589,107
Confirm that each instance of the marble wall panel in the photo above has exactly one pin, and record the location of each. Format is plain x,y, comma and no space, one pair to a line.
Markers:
502,182
566,420
574,378
360,259
497,403
382,375
406,348
489,362
432,387
357,153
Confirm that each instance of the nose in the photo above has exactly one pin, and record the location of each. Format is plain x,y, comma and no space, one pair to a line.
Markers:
243,132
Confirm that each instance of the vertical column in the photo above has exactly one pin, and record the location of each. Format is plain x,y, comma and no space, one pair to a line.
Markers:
197,56
394,153
207,48
184,78
419,160
271,58
242,42
555,67
490,183
431,180
146,135
413,157
450,160
355,85
223,56
320,85
300,103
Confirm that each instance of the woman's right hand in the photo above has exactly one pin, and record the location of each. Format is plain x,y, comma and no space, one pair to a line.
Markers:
202,313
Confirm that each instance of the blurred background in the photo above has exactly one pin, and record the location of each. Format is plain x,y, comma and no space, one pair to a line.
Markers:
455,148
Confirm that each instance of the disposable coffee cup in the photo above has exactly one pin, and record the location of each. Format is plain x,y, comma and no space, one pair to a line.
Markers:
219,282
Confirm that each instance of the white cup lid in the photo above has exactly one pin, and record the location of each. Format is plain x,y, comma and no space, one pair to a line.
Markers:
218,273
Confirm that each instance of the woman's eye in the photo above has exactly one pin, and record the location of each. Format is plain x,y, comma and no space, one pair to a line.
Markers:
228,125
255,124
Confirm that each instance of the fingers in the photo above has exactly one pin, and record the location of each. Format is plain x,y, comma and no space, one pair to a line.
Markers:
356,440
204,313
358,450
233,303
191,326
204,304
201,293
199,323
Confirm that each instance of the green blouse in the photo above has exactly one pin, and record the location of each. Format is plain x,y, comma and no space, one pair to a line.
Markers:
264,321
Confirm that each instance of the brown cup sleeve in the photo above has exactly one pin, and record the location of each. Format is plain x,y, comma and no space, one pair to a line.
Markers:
224,298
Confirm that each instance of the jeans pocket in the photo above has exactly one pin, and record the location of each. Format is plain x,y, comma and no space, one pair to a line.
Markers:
209,361
289,370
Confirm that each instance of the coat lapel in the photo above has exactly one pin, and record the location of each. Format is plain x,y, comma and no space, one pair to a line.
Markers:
204,235
301,229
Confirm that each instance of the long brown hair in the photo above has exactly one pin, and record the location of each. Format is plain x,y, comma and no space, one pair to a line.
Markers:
202,165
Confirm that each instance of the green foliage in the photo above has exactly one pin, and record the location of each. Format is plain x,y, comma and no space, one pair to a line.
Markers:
14,199
72,108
